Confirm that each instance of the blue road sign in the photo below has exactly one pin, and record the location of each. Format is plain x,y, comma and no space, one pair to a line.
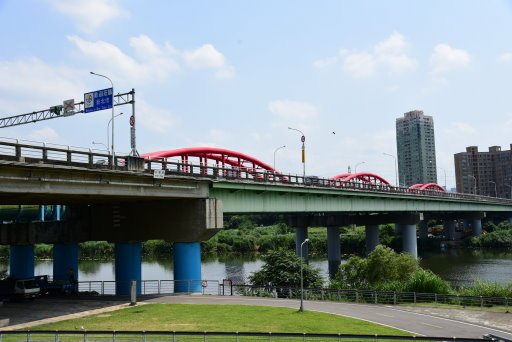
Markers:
98,100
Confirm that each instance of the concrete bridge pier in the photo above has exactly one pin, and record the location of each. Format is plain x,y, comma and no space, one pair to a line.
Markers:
21,261
409,240
65,257
301,234
187,267
449,229
333,250
476,225
398,228
372,237
423,229
128,266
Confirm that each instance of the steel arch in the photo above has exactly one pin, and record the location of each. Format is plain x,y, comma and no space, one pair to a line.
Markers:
363,177
428,186
223,158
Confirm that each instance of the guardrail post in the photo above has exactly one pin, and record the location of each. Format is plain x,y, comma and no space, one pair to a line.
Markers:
414,297
394,297
322,292
357,296
85,337
376,300
435,297
481,302
45,153
68,155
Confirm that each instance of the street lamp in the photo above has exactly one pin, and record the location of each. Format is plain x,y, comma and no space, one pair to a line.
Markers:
303,139
102,144
396,168
108,129
112,119
474,190
302,277
355,167
510,186
277,149
495,189
444,171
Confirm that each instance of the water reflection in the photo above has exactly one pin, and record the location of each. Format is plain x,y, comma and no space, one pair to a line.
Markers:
460,267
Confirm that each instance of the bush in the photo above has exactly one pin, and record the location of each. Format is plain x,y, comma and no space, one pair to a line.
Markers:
282,269
96,250
43,251
487,289
426,281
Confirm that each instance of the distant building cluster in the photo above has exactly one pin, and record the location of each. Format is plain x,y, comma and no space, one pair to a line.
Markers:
484,173
416,149
480,173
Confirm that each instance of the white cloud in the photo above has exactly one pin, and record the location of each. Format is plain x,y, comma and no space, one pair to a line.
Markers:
325,62
45,134
293,110
505,57
360,64
153,62
459,129
208,57
89,15
27,84
154,119
156,64
389,54
446,58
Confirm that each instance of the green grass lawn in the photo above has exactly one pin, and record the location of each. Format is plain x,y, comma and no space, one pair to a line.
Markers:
241,318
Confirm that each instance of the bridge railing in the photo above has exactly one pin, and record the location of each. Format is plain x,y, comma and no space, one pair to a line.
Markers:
365,296
34,152
181,336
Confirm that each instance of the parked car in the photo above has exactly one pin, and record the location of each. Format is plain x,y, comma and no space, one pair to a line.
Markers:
14,289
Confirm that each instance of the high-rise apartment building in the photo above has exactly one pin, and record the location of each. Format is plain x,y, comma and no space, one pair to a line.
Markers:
484,173
416,149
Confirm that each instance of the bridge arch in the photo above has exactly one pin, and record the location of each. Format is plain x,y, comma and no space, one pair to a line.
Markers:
428,186
366,178
232,163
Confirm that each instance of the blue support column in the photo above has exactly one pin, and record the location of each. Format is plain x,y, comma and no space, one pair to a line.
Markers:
476,224
128,266
333,250
21,261
65,258
187,267
371,237
301,234
410,242
398,228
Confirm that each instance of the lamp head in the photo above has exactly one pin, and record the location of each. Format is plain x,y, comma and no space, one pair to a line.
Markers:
307,240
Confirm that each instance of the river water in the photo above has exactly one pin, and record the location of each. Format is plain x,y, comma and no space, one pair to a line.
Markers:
460,267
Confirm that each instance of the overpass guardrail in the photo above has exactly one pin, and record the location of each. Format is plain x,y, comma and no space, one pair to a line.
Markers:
53,154
187,336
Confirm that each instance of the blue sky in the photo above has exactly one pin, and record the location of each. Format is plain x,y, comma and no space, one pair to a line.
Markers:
236,74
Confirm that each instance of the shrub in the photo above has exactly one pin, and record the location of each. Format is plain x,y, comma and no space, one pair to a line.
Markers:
426,281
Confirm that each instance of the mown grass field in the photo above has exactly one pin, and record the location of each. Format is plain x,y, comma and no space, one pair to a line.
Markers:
241,318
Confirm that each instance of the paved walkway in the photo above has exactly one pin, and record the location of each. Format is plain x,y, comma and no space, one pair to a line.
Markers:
417,320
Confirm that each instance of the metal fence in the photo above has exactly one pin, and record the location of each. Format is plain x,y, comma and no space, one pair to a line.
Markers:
212,336
36,152
151,287
364,296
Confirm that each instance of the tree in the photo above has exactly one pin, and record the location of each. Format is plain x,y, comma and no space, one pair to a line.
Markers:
282,269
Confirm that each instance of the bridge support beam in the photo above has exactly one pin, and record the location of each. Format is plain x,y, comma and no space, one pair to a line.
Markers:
187,267
21,261
410,243
128,266
301,234
65,257
476,224
333,250
423,228
449,229
371,237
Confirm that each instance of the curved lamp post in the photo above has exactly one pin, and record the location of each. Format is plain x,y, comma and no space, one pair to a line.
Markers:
108,128
112,119
355,167
303,140
396,168
301,309
495,188
277,149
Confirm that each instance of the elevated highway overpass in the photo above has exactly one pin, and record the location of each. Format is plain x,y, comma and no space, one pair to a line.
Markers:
128,200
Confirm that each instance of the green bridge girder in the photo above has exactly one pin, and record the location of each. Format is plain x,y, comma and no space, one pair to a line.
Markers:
243,197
